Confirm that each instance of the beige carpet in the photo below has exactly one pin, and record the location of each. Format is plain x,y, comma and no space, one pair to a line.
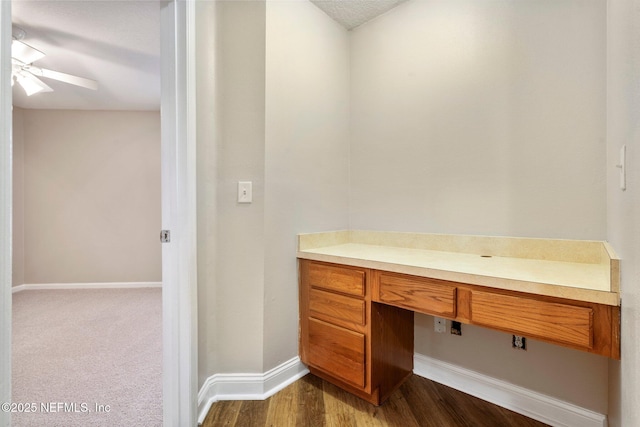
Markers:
75,349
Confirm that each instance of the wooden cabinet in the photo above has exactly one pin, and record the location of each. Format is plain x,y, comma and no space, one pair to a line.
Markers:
338,351
339,309
430,296
562,323
350,281
585,326
345,338
581,325
356,324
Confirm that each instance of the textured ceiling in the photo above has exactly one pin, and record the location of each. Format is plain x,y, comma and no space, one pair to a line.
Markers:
116,43
352,13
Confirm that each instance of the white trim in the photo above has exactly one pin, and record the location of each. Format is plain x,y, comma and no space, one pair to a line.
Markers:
179,269
97,285
532,404
248,386
538,406
6,206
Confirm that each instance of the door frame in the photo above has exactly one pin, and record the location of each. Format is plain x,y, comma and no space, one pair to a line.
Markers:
6,206
178,212
179,269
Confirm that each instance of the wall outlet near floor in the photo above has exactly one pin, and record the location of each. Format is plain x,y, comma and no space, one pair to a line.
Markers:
519,342
439,325
456,328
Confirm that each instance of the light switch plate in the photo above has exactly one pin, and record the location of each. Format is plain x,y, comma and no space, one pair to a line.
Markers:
623,166
245,193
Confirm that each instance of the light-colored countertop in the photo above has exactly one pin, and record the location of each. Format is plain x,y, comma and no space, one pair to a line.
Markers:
573,269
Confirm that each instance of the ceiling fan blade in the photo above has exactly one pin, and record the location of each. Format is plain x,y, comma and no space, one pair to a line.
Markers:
25,53
64,77
31,84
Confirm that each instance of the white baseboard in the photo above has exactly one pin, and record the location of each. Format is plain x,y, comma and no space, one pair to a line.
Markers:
248,386
534,405
99,285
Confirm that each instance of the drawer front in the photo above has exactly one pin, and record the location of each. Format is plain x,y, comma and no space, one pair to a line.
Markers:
339,279
523,316
421,294
329,306
337,351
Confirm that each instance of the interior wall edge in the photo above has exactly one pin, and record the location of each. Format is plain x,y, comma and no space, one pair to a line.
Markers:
5,210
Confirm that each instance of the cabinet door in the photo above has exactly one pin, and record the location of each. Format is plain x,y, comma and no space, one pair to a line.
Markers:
335,278
338,309
431,296
337,351
538,319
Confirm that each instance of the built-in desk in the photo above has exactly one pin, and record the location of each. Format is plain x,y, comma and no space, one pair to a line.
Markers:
360,289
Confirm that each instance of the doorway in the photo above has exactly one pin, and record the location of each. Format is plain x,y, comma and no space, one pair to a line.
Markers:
178,206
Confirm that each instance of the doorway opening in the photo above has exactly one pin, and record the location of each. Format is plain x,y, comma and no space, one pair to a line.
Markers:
179,394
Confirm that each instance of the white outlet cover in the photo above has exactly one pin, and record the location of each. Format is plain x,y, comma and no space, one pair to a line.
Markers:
439,325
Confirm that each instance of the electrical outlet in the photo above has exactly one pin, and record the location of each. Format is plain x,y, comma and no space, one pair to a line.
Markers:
456,328
439,325
519,342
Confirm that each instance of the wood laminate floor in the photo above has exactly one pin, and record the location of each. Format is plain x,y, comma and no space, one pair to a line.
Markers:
313,402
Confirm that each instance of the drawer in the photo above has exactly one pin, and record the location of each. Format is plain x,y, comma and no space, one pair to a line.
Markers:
537,319
431,296
335,278
337,351
329,306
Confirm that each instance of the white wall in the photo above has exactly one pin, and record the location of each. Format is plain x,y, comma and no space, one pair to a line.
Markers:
18,197
91,196
306,154
485,118
623,225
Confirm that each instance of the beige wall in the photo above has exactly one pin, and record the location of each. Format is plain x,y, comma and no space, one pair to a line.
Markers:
261,120
91,196
623,224
18,197
485,118
240,265
306,154
233,150
480,118
208,138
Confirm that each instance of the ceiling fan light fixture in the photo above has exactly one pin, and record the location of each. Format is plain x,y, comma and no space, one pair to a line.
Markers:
17,32
26,74
31,85
25,53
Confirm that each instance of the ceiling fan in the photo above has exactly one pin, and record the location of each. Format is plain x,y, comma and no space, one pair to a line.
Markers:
26,74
